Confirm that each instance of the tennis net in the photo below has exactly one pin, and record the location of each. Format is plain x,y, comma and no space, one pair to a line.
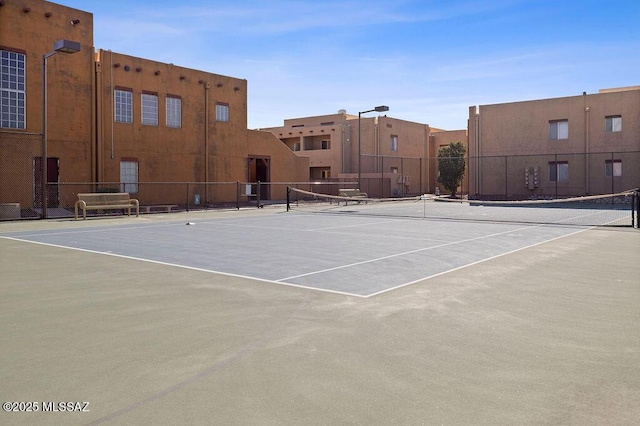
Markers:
619,209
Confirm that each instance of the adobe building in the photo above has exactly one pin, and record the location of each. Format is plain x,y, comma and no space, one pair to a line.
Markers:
167,124
117,122
578,145
28,31
394,154
398,157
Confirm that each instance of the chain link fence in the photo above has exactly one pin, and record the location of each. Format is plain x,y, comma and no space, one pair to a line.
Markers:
488,178
20,175
523,177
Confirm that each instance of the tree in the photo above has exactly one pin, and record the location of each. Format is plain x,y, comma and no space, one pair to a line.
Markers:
451,166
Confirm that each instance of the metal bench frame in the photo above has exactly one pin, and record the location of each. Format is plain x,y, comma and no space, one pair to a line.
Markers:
105,201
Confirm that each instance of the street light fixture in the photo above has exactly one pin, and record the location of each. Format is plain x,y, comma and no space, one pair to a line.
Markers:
380,108
61,46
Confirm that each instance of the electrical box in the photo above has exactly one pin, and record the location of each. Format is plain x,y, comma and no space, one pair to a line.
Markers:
531,177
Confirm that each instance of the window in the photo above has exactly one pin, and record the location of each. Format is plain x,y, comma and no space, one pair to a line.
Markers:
613,168
394,170
222,112
129,176
559,171
559,129
613,123
325,174
12,90
394,143
149,109
174,112
325,145
296,146
123,106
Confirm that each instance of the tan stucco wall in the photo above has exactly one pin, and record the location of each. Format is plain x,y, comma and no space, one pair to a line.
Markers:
32,27
521,129
203,149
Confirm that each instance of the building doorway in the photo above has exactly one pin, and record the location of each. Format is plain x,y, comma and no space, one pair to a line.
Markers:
260,171
53,179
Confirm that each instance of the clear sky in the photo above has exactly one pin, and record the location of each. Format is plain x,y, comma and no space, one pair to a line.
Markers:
427,60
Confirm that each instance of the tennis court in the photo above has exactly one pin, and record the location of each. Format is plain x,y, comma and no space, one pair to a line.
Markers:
272,317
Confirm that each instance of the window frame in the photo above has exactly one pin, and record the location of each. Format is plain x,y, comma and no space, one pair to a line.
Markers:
610,123
222,112
559,171
610,169
555,129
173,109
149,108
13,89
123,105
393,139
129,178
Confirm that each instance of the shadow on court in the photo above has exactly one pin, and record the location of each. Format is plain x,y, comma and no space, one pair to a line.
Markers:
542,335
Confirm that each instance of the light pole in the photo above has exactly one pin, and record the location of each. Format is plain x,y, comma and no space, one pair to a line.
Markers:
380,108
62,46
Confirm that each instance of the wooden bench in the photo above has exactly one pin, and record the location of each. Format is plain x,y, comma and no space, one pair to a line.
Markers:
351,193
158,207
106,201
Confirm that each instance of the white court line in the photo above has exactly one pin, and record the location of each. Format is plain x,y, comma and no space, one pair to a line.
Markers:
192,268
473,263
281,281
364,262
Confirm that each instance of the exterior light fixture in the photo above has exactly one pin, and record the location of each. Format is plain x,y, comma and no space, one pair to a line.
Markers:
381,108
60,46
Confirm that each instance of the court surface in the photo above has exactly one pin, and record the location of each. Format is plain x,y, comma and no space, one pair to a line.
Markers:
268,317
359,256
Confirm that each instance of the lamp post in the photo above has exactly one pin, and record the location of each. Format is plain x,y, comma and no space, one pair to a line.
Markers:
62,46
380,108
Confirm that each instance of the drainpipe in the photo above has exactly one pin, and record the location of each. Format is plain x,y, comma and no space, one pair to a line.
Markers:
478,160
112,106
586,143
97,122
207,86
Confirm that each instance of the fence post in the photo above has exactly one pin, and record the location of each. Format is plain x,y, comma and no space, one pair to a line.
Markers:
636,202
555,164
402,176
506,177
382,177
258,194
633,208
612,175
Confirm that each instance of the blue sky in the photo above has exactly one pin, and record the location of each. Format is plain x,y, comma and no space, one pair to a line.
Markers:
427,60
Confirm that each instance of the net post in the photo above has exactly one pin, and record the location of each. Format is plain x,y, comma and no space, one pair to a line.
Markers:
258,194
188,201
237,195
288,198
635,209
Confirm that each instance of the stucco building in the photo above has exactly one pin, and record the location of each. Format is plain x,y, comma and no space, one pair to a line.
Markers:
578,145
28,31
390,157
118,119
